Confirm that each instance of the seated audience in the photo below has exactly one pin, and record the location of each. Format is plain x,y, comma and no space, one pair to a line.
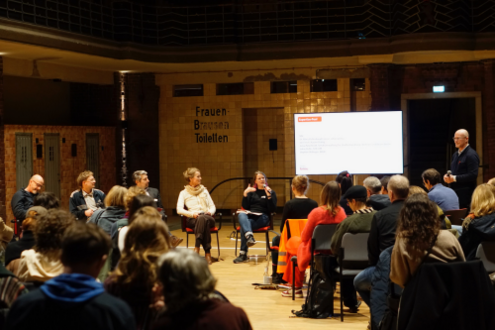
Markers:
132,192
86,199
479,227
376,200
382,232
419,237
74,300
442,218
135,277
188,289
491,182
344,179
46,199
328,212
26,242
43,263
297,208
199,212
261,201
443,196
384,181
6,234
11,288
23,198
114,209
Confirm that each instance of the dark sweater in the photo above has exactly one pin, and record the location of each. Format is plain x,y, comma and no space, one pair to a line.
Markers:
211,314
379,202
14,249
343,203
21,202
479,230
297,208
258,202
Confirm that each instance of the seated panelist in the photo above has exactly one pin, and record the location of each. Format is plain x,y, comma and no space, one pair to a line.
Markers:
87,199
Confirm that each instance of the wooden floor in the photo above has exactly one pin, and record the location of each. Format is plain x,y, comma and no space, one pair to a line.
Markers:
266,309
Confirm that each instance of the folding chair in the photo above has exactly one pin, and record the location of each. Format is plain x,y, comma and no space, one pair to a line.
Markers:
263,230
353,259
486,253
190,231
320,242
456,216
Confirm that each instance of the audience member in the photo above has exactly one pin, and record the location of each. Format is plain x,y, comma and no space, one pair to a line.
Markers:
11,288
135,277
297,208
188,287
6,235
74,300
142,181
419,238
23,199
376,200
329,212
87,199
42,263
114,209
384,181
479,227
382,233
259,201
464,166
444,197
46,199
26,242
344,179
442,218
491,182
199,212
132,193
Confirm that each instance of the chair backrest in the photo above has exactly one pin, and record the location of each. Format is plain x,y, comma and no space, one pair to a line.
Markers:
354,251
322,237
486,253
456,216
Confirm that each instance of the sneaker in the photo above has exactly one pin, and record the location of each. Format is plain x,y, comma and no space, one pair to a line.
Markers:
250,241
241,258
289,286
175,241
288,293
354,309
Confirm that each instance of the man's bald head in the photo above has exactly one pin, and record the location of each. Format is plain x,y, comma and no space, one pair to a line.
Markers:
464,132
35,184
461,139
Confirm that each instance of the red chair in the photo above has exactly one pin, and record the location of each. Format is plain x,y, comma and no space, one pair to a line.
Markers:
263,230
189,231
456,216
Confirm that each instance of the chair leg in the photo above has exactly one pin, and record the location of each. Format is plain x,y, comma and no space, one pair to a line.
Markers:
293,280
187,240
236,238
341,302
218,245
267,246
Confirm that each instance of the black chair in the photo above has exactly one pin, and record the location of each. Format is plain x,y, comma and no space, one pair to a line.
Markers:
456,216
320,242
353,259
263,230
213,230
486,253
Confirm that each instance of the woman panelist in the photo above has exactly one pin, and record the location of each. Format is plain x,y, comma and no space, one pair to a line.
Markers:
260,200
200,210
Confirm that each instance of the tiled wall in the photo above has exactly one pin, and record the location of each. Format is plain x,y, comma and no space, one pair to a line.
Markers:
219,161
70,166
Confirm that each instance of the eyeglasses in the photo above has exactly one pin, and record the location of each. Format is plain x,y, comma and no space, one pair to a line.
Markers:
457,138
38,184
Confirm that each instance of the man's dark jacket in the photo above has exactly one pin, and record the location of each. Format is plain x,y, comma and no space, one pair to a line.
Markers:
21,202
465,168
382,233
77,204
379,202
155,194
14,249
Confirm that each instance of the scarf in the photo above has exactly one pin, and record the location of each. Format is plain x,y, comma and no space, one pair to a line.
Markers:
195,191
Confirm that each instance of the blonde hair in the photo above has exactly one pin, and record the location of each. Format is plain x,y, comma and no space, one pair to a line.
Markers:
330,197
416,190
131,193
116,197
189,173
301,183
255,176
491,181
83,176
483,201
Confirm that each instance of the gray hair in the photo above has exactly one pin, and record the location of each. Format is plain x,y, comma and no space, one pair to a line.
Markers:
185,277
136,176
399,185
373,183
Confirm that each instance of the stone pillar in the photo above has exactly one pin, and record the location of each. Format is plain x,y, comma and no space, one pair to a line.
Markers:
3,211
488,106
385,86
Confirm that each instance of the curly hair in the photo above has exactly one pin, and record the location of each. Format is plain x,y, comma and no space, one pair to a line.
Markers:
418,222
330,197
146,240
50,229
46,199
131,193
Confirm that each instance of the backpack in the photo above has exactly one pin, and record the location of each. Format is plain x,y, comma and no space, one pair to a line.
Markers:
319,301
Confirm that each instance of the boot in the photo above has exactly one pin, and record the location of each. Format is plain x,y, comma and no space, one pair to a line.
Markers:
175,241
208,258
196,249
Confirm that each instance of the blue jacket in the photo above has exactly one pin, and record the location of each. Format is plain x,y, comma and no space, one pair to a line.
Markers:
77,204
444,197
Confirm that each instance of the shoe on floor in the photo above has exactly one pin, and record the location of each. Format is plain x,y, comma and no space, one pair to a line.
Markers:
277,278
175,241
354,309
250,241
288,293
241,258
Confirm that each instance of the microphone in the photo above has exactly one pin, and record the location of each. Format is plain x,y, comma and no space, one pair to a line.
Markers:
449,172
265,186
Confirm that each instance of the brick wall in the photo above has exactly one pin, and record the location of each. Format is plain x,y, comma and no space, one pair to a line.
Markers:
70,166
3,212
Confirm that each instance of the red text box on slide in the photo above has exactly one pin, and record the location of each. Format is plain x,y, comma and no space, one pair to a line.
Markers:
311,119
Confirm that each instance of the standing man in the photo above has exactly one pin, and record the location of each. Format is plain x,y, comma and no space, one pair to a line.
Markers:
464,167
84,201
23,199
141,180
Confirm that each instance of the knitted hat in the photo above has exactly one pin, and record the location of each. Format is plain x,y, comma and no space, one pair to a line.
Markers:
356,192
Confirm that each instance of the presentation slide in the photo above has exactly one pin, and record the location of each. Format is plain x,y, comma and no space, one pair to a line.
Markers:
359,142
